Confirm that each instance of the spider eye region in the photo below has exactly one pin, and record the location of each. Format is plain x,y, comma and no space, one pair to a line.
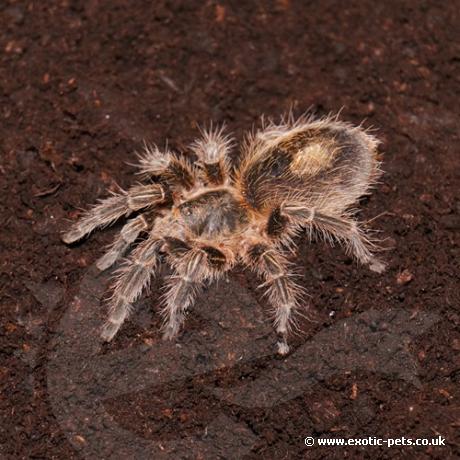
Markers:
186,209
212,213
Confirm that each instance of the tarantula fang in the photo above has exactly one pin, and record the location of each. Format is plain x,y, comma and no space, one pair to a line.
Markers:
204,217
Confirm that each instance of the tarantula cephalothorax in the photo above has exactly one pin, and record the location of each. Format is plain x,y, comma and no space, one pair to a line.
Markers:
207,216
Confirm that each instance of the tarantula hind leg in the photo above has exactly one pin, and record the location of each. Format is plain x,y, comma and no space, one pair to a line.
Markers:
347,230
283,293
342,229
132,278
126,237
114,207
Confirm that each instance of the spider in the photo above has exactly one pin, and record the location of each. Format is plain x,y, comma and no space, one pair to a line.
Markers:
206,216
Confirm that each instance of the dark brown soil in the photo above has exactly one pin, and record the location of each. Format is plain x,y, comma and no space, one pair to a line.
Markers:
82,83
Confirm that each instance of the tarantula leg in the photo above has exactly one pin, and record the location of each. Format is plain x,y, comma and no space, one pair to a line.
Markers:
132,278
212,151
347,230
216,260
193,266
285,220
114,207
343,229
276,223
282,291
174,170
191,271
127,236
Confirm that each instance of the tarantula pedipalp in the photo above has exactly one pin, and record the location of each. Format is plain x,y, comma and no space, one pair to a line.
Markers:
303,173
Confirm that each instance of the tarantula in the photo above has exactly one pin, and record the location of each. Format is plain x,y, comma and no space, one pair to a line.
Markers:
204,217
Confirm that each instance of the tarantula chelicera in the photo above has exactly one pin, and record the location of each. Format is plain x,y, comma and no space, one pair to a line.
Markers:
203,217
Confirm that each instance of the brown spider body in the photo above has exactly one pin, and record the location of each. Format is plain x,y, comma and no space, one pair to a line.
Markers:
298,174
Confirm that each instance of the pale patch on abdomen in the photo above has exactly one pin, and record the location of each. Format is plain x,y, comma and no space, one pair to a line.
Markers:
313,158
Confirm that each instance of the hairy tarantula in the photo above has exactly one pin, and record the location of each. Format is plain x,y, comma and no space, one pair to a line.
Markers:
207,216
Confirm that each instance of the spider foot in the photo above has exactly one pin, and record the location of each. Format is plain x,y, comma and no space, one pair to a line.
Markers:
109,331
282,345
377,266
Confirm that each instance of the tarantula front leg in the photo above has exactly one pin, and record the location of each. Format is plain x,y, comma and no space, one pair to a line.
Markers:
133,277
343,229
212,152
175,170
193,266
283,292
114,207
